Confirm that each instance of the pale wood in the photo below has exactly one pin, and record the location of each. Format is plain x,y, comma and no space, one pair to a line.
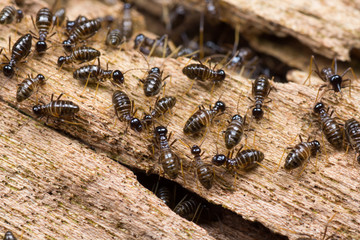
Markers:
54,187
280,200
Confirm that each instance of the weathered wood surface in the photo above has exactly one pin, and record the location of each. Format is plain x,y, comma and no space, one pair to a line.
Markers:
54,187
278,200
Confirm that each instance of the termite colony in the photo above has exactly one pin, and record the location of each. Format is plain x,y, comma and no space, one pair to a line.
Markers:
206,121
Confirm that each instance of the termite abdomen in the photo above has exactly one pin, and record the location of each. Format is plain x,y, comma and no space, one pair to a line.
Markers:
352,132
81,31
123,107
114,38
28,86
245,160
204,171
71,24
168,159
9,13
186,209
152,83
164,194
202,118
300,153
62,109
203,73
234,131
163,105
333,132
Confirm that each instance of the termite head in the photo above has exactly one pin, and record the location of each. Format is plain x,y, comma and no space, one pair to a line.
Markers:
9,236
37,109
219,159
68,45
19,15
8,71
195,150
61,61
319,107
237,117
118,77
220,106
315,147
335,81
154,70
139,39
41,46
258,113
41,78
136,125
220,75
161,131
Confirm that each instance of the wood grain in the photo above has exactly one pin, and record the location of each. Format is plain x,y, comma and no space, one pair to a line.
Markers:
280,201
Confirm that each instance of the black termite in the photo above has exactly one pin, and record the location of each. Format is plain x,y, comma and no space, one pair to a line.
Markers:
301,153
352,132
152,83
332,130
245,160
80,54
244,57
9,236
202,73
124,110
114,37
260,90
187,209
43,23
168,159
204,171
59,17
157,46
95,74
27,87
165,195
163,105
202,118
20,50
333,80
9,13
234,131
61,109
127,24
82,31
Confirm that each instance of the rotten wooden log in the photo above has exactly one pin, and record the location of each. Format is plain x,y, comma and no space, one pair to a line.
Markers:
280,201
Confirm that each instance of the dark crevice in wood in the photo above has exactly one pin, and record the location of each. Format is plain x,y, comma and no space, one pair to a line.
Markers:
218,32
219,222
